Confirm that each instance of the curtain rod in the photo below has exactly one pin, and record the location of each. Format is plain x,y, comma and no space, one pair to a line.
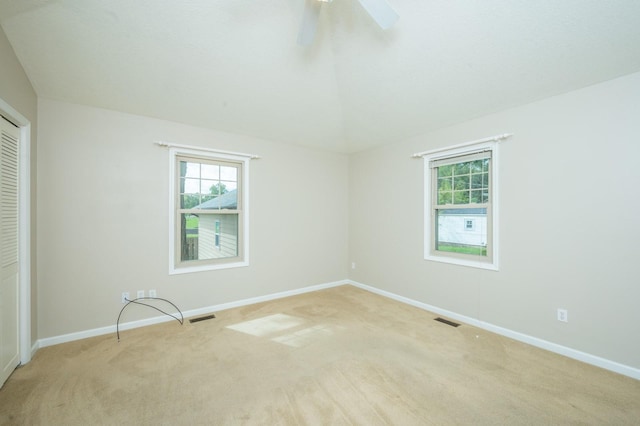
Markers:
489,139
199,148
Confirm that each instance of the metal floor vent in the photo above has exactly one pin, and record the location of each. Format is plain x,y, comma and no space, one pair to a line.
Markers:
445,321
208,317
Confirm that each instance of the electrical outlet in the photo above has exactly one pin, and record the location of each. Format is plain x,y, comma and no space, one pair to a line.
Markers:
152,293
563,315
353,265
125,296
140,294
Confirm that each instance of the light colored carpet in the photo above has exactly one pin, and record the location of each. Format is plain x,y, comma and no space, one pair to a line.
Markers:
338,356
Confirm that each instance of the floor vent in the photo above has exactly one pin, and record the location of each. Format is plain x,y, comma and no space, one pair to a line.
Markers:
208,317
444,321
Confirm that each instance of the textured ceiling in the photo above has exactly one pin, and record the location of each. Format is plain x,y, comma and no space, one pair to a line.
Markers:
234,65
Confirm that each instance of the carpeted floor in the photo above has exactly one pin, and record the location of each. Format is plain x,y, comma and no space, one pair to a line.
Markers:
338,356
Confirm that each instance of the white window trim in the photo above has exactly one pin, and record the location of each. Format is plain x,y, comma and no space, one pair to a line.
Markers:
175,151
428,193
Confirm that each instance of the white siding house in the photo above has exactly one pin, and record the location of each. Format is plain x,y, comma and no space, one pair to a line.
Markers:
463,227
218,233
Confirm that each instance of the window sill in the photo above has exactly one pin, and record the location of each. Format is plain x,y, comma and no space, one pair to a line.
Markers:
463,262
202,268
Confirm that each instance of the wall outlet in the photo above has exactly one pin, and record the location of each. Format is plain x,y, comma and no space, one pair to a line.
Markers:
152,293
353,265
140,294
125,296
563,315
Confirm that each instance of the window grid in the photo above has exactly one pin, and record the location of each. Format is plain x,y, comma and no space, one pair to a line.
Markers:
463,183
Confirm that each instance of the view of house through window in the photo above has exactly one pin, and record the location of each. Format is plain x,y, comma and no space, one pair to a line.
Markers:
209,210
460,202
462,191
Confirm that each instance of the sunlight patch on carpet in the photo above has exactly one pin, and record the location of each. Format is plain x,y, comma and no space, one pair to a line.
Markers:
286,329
267,325
305,336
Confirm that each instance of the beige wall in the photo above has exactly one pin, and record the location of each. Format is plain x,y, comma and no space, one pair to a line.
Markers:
103,197
16,90
569,229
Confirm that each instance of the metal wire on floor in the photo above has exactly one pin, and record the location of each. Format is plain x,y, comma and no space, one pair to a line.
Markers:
136,301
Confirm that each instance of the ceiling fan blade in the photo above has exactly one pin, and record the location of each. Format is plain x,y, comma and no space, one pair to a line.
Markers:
381,12
309,23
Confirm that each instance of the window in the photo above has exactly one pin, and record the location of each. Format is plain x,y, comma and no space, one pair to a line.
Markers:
469,224
208,211
460,200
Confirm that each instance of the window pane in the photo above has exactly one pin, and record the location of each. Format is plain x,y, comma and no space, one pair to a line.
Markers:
476,166
189,237
476,196
461,231
189,169
445,170
445,184
228,173
480,181
209,187
461,168
461,182
204,199
190,186
189,201
210,171
461,197
229,186
445,197
209,236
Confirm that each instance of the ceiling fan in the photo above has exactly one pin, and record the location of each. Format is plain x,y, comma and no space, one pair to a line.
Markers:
379,10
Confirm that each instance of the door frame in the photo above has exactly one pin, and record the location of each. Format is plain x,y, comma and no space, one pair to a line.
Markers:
24,230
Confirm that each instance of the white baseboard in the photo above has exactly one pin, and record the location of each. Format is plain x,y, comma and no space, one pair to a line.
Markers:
50,341
533,341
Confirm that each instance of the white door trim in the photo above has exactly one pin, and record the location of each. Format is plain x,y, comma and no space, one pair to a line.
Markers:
24,228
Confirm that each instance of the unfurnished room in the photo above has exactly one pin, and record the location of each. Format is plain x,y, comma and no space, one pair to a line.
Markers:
304,212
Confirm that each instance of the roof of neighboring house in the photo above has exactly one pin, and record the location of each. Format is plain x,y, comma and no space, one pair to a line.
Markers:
228,200
462,212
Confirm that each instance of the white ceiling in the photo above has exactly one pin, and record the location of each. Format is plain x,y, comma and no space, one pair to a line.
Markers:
234,65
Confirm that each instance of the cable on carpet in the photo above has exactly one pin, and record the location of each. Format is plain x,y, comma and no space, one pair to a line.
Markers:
135,301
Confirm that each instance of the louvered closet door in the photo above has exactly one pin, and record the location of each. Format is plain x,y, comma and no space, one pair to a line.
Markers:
9,346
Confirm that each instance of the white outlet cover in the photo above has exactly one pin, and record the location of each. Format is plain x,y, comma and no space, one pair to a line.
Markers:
563,315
